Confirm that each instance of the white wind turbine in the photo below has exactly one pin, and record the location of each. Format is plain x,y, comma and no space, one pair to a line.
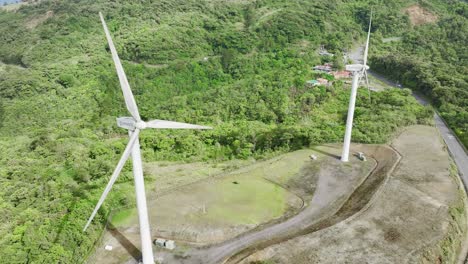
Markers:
358,71
134,125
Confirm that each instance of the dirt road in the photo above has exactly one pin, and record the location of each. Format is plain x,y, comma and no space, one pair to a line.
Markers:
338,196
416,216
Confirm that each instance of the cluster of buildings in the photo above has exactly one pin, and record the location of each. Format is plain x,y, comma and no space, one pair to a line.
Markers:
319,81
325,68
328,69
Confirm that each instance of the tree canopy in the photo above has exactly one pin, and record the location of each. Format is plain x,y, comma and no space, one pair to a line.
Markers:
239,66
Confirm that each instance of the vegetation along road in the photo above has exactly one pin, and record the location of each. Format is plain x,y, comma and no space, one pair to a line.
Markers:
455,147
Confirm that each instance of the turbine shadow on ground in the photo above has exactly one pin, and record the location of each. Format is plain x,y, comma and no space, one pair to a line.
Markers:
64,221
325,152
127,244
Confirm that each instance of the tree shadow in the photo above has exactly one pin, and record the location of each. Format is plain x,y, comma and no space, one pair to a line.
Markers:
64,222
126,244
326,153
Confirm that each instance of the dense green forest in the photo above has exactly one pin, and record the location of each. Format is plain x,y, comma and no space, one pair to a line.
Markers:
239,66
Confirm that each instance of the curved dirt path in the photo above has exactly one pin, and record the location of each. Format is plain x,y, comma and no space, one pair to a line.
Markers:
335,200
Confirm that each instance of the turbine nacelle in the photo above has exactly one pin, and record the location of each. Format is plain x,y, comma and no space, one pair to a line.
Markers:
356,68
131,124
128,123
141,125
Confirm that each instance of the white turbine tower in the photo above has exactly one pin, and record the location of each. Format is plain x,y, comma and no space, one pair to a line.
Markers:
134,125
358,71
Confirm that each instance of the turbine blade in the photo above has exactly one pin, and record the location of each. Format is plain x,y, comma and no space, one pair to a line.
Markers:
127,92
366,51
115,174
173,125
367,84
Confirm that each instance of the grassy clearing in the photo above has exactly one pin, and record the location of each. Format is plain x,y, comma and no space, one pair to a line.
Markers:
240,198
230,193
247,195
245,199
205,202
280,169
123,217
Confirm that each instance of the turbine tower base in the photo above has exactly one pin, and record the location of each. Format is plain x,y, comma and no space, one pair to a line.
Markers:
145,232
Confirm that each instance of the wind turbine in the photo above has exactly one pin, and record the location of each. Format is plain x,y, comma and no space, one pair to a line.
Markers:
366,52
134,125
358,71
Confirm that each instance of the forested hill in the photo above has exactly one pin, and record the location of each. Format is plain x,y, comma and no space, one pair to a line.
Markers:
240,66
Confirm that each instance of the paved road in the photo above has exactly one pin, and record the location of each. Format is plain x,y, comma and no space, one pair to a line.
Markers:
455,148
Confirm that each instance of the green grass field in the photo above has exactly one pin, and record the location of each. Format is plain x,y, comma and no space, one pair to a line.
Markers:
243,199
218,205
123,217
251,201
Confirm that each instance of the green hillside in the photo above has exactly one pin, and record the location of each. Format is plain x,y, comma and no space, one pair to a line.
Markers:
433,59
239,66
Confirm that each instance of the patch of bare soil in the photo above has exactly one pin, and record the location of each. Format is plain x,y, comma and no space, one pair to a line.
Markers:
294,171
419,16
39,20
386,160
414,217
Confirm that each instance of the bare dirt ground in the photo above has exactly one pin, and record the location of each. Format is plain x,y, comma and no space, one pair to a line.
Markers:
293,171
213,211
39,20
417,216
161,178
419,16
337,183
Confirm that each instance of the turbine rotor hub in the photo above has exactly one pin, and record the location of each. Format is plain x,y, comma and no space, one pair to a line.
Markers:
140,125
130,123
356,67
